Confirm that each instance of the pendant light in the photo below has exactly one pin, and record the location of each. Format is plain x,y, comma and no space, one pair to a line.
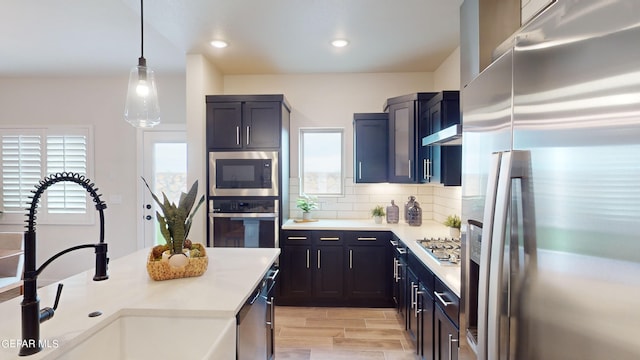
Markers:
142,109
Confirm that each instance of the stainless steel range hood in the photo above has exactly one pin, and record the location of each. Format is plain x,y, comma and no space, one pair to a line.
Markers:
449,136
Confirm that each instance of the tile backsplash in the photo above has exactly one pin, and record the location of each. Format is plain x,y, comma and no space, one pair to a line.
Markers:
436,201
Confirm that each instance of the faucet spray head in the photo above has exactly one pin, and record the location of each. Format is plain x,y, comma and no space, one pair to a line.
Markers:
102,262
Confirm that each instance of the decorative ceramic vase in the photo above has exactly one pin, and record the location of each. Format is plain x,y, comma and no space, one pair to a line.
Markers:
377,219
454,232
407,206
306,215
414,215
393,213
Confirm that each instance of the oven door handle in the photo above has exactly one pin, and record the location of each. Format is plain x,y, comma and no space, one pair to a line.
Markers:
243,215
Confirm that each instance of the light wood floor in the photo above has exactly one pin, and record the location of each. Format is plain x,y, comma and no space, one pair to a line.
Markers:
320,333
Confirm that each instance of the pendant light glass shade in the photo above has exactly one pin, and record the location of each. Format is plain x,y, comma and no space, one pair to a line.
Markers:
142,108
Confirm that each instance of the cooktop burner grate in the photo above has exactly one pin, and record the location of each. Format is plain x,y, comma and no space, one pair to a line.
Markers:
445,251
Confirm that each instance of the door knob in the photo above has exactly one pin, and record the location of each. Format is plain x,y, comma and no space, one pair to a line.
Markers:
148,206
148,217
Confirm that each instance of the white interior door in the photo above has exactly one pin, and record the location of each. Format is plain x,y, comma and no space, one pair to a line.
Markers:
165,170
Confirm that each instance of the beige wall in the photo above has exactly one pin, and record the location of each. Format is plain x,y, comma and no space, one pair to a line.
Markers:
203,78
447,76
98,102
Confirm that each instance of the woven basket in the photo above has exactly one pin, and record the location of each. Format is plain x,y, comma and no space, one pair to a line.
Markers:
161,270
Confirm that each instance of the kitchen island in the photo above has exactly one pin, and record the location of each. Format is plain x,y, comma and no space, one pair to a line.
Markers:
232,274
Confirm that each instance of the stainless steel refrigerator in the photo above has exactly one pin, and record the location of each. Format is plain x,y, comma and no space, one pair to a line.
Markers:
551,189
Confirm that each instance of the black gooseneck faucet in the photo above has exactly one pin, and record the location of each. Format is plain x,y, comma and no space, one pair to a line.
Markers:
32,316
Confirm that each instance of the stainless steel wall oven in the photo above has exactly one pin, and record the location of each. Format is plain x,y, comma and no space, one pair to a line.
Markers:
244,222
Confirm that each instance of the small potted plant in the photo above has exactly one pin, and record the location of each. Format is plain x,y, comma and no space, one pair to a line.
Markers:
307,203
377,213
453,222
179,257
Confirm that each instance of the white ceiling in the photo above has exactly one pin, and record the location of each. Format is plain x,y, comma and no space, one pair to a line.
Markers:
69,37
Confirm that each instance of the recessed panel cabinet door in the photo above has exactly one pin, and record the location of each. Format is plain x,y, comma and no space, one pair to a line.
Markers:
367,272
224,125
445,336
296,271
371,135
261,124
329,280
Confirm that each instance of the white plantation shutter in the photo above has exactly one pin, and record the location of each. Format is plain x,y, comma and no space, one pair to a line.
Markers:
21,170
67,153
28,155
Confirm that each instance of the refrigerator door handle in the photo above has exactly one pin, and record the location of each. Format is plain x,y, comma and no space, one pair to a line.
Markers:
496,266
485,255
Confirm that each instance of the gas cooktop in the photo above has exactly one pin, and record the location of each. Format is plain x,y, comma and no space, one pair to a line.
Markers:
446,251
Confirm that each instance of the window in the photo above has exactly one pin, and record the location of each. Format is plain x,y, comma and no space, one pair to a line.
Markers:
28,155
321,161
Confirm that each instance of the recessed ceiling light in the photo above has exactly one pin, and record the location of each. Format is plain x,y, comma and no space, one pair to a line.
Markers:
219,44
340,43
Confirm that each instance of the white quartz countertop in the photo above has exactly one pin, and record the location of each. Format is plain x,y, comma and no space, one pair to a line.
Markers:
450,275
221,291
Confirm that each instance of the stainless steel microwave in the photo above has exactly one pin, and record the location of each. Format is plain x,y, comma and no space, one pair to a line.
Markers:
243,173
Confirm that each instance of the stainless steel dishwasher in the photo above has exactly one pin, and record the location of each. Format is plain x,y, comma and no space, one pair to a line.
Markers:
255,321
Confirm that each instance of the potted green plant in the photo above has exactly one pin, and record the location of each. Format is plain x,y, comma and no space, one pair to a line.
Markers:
175,222
453,222
377,213
307,203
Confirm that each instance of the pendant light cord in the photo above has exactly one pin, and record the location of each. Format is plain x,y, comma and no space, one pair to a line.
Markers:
142,29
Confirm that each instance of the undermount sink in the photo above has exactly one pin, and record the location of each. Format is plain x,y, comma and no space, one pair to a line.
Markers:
158,336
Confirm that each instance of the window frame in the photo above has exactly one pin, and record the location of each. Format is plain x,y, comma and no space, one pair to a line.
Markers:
44,216
302,132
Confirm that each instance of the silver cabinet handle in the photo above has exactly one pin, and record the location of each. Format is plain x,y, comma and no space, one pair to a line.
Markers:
308,258
350,259
359,169
329,239
409,168
416,309
296,238
367,239
414,287
395,269
248,136
237,135
271,312
402,250
442,300
427,166
393,242
451,341
424,170
318,258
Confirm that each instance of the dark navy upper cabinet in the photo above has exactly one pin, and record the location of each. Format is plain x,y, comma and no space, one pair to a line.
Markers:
245,122
404,126
440,163
370,138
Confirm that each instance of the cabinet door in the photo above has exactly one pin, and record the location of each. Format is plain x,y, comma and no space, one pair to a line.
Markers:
296,272
445,336
413,284
224,125
370,145
426,304
261,125
329,274
402,142
434,163
367,273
